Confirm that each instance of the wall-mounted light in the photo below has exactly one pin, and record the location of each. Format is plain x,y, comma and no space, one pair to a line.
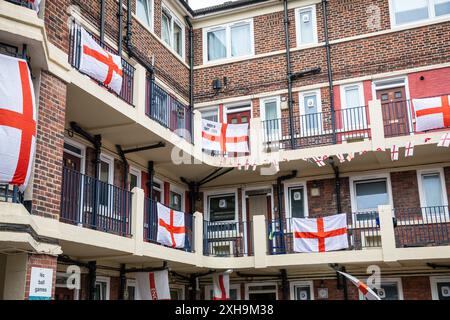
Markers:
422,78
315,190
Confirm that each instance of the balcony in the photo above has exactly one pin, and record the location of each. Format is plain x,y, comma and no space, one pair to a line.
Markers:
316,129
126,92
168,111
227,239
91,203
9,193
22,3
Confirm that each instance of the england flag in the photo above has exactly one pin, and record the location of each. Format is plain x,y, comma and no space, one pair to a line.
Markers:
224,137
152,285
432,113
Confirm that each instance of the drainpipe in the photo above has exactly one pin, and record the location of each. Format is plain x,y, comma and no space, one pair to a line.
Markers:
102,21
285,284
120,16
151,174
126,166
280,201
289,73
92,266
337,181
191,73
123,282
329,67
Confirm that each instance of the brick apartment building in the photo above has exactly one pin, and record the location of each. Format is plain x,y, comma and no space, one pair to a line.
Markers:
311,77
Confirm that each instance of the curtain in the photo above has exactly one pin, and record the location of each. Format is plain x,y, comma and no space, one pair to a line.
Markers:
240,40
217,44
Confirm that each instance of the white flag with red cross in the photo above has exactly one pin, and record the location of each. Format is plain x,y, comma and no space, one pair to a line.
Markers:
319,161
17,122
171,227
409,149
224,137
320,234
368,293
444,141
394,152
100,64
432,113
221,286
152,285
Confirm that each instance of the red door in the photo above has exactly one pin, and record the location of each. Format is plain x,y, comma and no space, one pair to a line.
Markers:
239,118
395,111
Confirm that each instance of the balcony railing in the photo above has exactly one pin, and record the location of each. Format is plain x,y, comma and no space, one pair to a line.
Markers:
363,231
227,239
315,129
22,3
9,193
422,227
95,204
168,111
151,225
126,92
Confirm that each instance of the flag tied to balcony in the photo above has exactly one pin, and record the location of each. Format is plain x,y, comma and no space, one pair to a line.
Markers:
17,122
152,285
221,286
432,113
224,137
171,227
368,293
320,234
100,64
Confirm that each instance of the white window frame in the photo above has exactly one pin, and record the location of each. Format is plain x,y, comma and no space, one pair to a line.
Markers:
161,189
293,284
138,173
287,202
131,283
210,109
106,280
151,6
351,125
110,160
218,193
262,113
245,105
444,216
173,20
80,146
179,287
209,288
320,129
431,15
433,282
248,285
227,28
397,281
180,191
298,26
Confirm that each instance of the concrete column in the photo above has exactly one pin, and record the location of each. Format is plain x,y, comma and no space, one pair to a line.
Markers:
260,241
137,218
256,146
15,277
139,89
376,124
387,233
198,238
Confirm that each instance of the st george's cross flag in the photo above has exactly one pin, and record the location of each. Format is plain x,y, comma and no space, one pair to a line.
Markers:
100,64
320,234
444,141
171,227
152,285
432,113
17,122
34,4
221,286
368,293
224,137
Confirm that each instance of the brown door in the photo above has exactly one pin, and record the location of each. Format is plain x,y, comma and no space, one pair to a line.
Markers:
256,205
395,111
72,162
239,118
71,189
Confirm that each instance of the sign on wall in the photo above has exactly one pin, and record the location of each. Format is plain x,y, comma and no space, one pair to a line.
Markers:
41,284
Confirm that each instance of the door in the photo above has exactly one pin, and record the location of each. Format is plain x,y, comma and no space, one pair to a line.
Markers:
239,118
64,294
395,111
310,115
256,205
71,189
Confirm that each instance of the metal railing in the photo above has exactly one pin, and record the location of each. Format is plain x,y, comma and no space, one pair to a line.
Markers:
92,203
422,227
168,111
227,238
151,225
9,193
22,3
351,124
363,231
126,92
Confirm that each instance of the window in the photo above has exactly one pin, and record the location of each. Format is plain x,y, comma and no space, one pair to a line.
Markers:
367,194
144,12
134,178
229,41
390,289
302,290
440,288
102,288
432,193
306,25
271,117
296,201
106,175
353,117
172,32
211,115
222,208
261,291
130,292
409,11
176,200
177,292
310,114
235,292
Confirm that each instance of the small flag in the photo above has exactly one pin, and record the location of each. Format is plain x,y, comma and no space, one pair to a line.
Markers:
409,149
341,157
368,293
394,153
444,141
319,161
427,140
350,156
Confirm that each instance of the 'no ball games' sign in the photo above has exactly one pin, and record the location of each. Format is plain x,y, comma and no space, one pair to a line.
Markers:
41,284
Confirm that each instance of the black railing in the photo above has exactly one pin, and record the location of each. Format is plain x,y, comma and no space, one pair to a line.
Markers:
351,124
9,193
126,92
22,3
95,204
168,111
151,225
227,239
422,227
363,231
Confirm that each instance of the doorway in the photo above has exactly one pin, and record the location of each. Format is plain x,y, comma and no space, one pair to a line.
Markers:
258,202
239,117
396,115
261,291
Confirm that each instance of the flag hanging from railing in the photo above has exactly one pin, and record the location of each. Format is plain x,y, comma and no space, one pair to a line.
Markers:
432,113
368,293
100,64
320,234
35,4
224,137
221,284
152,285
171,227
17,122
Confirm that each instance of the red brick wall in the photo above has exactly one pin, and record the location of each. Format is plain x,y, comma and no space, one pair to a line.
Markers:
416,288
436,82
325,203
40,261
333,292
405,191
49,147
